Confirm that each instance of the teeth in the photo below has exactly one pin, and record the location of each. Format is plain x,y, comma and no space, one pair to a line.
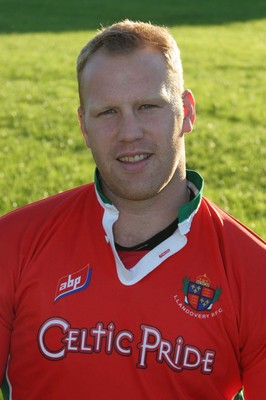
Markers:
136,158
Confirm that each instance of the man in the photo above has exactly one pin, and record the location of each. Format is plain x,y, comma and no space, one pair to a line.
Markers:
135,287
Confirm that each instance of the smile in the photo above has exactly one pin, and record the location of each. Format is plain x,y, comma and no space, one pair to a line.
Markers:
133,159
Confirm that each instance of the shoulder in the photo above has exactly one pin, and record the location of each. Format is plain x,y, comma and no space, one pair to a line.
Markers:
227,227
40,212
241,250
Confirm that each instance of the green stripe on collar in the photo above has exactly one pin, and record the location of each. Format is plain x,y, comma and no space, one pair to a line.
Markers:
185,211
99,187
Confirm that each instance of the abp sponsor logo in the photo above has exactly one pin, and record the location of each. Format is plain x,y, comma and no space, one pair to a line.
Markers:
73,283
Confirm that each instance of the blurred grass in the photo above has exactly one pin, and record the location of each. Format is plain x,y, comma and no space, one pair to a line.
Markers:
42,151
18,16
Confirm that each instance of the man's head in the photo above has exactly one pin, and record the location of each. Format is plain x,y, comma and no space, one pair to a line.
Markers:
126,36
133,112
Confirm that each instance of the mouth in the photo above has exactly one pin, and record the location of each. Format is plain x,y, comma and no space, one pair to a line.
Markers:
134,159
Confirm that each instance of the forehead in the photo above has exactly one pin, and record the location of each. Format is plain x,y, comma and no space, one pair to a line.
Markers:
139,72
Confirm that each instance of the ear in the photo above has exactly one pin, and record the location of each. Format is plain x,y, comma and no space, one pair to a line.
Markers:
189,111
81,117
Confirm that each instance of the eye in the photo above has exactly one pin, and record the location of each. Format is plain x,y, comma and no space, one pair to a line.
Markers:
147,106
107,112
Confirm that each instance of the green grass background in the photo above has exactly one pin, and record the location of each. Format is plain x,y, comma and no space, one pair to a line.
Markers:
223,50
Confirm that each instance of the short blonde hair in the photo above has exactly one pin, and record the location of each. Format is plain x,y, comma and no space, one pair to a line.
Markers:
125,37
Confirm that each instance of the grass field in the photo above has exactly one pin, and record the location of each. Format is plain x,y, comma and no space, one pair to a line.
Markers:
42,151
223,51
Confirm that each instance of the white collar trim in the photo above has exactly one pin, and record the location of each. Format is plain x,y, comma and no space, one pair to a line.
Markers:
153,258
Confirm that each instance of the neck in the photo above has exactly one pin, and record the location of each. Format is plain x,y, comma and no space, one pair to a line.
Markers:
140,220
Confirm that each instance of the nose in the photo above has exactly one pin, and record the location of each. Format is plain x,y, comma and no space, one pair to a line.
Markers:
130,128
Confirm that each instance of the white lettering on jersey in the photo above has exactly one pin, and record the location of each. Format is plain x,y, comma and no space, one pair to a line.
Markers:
104,339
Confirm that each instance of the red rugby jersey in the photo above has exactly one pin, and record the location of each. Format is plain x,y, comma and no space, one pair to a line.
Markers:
186,322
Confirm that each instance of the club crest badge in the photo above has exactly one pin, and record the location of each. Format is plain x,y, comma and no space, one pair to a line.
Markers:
199,294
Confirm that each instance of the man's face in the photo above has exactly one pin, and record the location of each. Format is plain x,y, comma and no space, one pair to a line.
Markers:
133,124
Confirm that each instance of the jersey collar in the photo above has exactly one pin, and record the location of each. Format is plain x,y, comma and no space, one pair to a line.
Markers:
185,213
164,250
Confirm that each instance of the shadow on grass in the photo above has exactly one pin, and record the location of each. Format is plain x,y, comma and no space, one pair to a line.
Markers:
18,16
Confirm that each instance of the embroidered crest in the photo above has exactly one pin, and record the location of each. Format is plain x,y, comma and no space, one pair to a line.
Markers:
199,294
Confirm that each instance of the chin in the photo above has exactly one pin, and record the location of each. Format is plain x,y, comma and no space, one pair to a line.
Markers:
136,194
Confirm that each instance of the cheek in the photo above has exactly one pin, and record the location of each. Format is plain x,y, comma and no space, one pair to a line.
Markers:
97,155
101,130
99,145
86,138
173,130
